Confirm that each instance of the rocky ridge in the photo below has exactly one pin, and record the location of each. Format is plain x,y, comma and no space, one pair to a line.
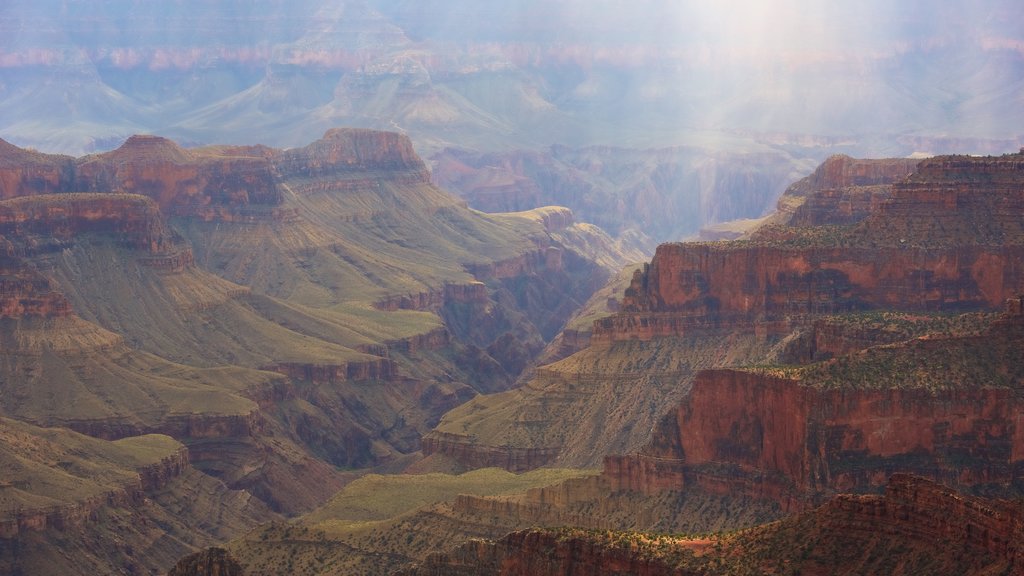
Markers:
915,527
930,246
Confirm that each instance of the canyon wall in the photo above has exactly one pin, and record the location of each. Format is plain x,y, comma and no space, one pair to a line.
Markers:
210,184
220,183
134,219
352,149
948,238
26,173
945,408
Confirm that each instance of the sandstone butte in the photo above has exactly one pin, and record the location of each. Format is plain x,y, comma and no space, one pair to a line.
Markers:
915,527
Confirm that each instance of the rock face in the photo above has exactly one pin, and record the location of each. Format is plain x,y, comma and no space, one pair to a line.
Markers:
222,183
136,220
946,408
931,246
841,171
26,173
211,184
469,454
26,293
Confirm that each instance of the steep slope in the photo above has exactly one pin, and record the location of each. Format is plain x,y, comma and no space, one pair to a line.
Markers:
122,267
74,504
372,301
943,407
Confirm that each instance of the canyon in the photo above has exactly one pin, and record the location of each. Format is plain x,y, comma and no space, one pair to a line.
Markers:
759,299
287,316
344,314
768,430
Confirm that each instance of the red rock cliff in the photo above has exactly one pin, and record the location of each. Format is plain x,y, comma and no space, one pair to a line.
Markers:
352,150
841,171
24,292
134,219
209,183
948,409
26,173
947,239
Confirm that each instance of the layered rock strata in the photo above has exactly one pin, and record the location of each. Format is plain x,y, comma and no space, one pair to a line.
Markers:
949,238
944,407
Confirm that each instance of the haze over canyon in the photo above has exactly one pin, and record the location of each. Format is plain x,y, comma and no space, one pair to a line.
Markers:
414,287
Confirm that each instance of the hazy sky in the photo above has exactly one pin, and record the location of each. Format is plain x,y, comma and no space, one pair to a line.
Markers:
832,67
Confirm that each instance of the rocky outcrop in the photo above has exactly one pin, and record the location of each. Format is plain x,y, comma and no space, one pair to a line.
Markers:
469,453
183,426
26,172
841,171
210,562
352,150
469,293
949,238
550,553
229,184
133,219
946,408
375,369
24,292
921,511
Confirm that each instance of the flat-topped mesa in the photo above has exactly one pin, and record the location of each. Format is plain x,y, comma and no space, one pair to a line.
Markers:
355,152
950,237
945,408
214,183
26,172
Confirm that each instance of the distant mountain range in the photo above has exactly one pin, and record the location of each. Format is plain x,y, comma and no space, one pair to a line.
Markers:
677,86
78,76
